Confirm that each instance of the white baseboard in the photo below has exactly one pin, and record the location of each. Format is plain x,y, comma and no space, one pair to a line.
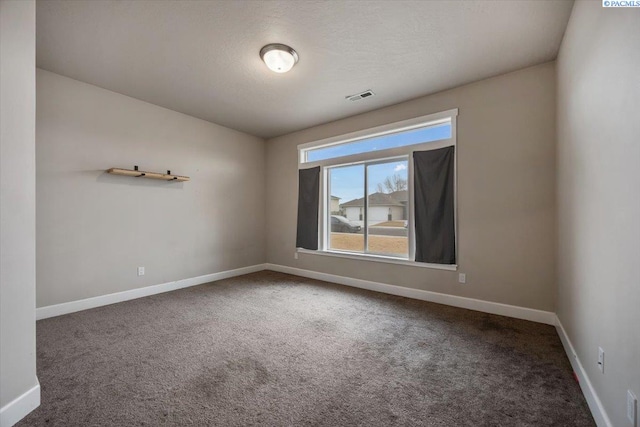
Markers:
539,316
595,405
20,407
85,304
517,312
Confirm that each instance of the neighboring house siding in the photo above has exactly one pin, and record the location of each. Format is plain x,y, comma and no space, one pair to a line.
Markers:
381,205
335,204
398,213
353,213
376,213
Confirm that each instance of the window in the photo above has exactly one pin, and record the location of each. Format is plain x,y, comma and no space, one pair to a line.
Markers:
366,207
432,132
377,224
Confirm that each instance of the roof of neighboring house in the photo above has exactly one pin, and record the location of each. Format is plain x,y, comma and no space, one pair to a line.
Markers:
375,199
335,198
401,196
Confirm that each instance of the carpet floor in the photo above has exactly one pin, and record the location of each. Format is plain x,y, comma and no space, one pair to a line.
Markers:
279,350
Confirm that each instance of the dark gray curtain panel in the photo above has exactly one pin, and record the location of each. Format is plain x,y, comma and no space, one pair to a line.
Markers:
308,199
434,206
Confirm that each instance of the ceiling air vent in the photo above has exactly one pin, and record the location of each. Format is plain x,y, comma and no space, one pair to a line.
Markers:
359,96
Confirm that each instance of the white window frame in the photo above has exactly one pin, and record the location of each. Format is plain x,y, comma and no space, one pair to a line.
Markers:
380,156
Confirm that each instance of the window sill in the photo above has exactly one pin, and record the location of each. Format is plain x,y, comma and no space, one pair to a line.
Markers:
379,258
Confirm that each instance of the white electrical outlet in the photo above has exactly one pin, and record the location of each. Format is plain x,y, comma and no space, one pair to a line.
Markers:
462,278
295,255
601,359
632,408
140,271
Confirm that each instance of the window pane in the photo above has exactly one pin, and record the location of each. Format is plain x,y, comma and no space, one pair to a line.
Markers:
400,139
346,220
387,213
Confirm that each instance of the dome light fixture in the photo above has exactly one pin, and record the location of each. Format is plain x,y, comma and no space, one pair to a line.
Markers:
279,57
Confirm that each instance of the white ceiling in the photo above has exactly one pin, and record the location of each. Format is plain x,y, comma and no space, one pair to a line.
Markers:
201,57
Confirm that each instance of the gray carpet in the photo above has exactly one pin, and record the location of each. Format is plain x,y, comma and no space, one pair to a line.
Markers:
279,350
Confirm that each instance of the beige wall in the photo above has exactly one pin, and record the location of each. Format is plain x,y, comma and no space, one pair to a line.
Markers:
17,206
599,197
506,188
95,229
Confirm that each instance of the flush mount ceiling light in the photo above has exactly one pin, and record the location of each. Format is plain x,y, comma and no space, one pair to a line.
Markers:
279,57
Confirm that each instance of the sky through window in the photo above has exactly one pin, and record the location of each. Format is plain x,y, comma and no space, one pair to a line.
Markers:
400,139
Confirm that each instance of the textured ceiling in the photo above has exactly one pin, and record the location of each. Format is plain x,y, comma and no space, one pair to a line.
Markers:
201,57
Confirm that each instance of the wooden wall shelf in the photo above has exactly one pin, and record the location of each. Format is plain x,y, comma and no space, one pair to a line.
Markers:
144,174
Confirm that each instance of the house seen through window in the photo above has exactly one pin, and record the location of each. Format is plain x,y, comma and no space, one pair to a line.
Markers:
384,216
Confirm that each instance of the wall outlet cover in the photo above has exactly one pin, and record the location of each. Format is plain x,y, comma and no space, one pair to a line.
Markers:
632,408
601,359
462,278
140,271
